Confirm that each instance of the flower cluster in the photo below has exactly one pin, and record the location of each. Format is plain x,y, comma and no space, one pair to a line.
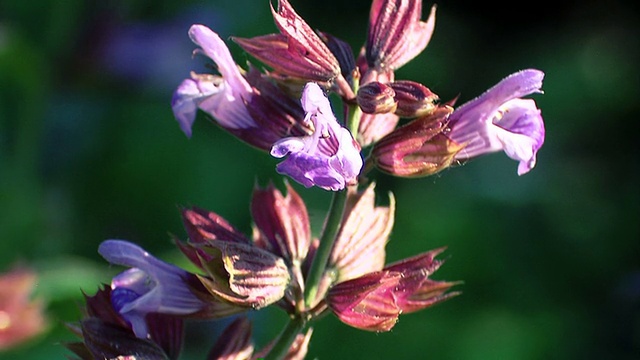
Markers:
284,110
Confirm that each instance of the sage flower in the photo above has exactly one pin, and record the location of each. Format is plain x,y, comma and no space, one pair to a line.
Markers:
329,158
149,286
222,97
243,103
500,120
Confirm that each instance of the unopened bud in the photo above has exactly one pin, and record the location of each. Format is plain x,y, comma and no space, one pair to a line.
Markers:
413,99
376,98
419,148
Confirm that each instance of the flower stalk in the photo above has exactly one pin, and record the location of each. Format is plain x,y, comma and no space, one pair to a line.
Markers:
332,225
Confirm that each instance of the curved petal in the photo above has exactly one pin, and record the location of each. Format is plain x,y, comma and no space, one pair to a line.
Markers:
150,286
500,120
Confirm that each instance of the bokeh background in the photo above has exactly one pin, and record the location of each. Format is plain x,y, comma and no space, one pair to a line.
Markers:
89,150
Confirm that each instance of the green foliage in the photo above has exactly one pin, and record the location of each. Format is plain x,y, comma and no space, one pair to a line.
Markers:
549,260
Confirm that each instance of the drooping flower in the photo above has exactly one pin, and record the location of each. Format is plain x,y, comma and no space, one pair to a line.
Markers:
329,158
243,103
222,97
500,120
149,286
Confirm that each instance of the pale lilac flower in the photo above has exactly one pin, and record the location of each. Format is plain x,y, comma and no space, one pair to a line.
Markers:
329,158
500,120
245,103
150,286
221,97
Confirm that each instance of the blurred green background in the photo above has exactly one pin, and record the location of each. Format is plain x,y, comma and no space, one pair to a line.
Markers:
89,150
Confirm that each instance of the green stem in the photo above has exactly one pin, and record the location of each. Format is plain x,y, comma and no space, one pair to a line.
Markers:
353,120
287,337
332,225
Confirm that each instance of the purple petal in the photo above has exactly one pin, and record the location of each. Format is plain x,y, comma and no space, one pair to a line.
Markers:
521,132
150,286
516,85
329,158
500,120
221,97
213,46
286,146
185,101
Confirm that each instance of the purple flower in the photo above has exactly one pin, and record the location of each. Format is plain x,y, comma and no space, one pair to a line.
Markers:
245,103
150,286
221,97
500,120
328,158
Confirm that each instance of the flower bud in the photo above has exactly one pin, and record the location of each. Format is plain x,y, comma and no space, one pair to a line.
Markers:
419,148
245,275
413,99
376,98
